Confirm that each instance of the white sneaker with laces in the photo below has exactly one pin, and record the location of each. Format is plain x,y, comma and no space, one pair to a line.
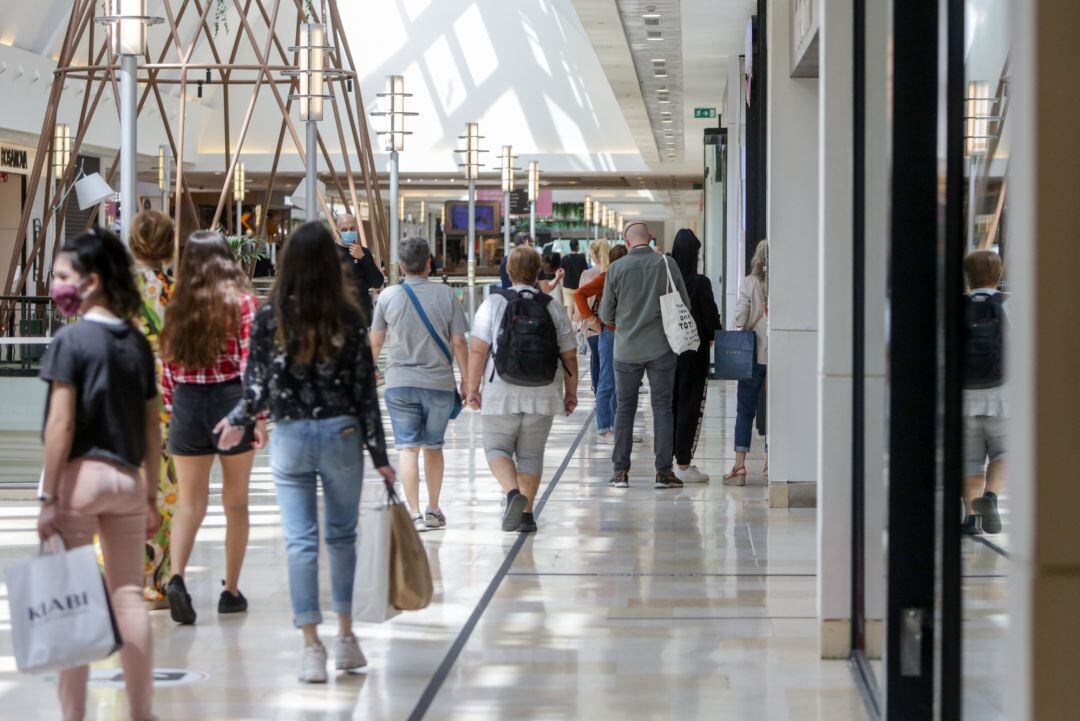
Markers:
347,654
313,666
418,521
691,475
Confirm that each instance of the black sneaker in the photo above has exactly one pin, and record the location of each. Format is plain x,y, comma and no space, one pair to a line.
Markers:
515,507
528,523
970,526
667,479
229,603
987,510
621,479
180,607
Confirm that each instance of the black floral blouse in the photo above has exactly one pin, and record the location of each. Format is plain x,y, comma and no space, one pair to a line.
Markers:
343,386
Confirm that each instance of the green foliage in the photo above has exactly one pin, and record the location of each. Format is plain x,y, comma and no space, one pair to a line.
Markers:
247,249
221,16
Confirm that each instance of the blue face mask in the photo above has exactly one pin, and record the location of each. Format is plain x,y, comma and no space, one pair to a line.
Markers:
349,237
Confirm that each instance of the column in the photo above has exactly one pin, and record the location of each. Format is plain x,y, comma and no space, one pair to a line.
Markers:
793,261
1044,395
735,120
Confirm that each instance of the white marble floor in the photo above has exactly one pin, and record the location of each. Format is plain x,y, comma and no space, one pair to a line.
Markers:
633,604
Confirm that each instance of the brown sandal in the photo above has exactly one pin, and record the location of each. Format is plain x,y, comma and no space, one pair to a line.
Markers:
737,477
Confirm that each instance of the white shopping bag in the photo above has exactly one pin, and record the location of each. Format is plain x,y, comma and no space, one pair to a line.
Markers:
60,610
371,588
679,325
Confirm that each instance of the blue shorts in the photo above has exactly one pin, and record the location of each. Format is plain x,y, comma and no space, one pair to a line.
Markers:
419,416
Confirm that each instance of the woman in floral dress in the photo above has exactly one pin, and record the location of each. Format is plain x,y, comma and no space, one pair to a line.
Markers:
152,248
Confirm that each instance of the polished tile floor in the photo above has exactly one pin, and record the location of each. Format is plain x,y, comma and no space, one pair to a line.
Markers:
633,604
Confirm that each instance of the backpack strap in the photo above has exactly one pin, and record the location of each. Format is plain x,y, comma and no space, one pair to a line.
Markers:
506,293
427,324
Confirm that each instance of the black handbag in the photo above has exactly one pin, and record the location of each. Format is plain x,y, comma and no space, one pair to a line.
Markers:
734,353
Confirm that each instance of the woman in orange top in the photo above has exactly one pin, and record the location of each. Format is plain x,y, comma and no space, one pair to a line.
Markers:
605,385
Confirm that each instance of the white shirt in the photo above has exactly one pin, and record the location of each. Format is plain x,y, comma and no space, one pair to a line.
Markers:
501,398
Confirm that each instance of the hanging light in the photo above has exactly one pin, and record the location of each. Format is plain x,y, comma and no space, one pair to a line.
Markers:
534,180
395,132
61,154
127,21
239,182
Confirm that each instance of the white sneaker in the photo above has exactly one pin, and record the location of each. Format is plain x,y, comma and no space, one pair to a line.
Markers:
347,654
639,438
418,522
606,439
313,667
691,475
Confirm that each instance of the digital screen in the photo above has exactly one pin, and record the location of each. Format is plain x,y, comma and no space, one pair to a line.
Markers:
485,217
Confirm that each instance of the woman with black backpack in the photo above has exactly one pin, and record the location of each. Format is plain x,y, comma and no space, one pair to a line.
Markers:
692,371
524,348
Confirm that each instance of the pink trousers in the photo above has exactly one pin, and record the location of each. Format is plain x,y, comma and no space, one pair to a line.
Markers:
98,497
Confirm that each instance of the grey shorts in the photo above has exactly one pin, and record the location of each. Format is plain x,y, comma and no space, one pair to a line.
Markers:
984,440
521,437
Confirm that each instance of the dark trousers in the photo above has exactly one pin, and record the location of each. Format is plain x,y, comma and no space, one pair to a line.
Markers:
661,372
749,390
594,360
688,403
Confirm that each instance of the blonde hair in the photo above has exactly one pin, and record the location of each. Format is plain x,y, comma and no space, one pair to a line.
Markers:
759,267
983,269
522,265
600,251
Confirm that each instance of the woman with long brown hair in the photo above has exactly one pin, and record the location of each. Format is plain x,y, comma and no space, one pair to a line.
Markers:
205,347
311,366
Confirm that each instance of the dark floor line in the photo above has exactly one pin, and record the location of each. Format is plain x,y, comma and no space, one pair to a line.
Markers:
441,673
991,545
710,618
685,574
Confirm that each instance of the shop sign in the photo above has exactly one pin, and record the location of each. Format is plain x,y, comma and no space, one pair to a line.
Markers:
14,160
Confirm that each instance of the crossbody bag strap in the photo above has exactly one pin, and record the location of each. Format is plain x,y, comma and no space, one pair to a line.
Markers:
427,323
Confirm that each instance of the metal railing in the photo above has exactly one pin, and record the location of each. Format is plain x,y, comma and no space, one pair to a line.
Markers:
27,333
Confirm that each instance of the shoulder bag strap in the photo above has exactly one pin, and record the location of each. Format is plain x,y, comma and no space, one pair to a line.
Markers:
427,323
670,280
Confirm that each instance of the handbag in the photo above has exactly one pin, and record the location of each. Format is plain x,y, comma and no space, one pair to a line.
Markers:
61,615
734,354
679,325
411,587
371,588
438,341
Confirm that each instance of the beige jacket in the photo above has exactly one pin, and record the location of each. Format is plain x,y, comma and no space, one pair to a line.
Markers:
750,313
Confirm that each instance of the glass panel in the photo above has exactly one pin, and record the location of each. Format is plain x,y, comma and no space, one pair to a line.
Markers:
985,539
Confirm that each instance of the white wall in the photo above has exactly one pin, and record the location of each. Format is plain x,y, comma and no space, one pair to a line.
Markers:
793,262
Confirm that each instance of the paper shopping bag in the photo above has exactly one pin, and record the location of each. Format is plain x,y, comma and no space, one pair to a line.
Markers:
410,575
61,615
371,588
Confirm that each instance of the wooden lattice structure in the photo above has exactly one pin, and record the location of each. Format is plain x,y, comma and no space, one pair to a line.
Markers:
173,65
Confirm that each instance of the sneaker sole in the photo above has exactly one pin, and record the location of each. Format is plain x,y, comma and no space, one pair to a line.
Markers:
618,485
341,667
512,518
667,486
180,607
991,519
322,679
235,609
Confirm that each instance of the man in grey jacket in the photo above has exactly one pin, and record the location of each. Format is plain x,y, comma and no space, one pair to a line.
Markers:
631,303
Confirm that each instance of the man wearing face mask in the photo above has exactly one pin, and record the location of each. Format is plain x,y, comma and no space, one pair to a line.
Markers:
365,274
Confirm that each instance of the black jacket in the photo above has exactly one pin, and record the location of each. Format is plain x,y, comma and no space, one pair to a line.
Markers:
365,276
703,308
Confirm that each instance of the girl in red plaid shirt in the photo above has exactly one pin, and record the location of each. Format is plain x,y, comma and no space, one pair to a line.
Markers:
204,345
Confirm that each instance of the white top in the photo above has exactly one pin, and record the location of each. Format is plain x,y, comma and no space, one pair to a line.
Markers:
500,398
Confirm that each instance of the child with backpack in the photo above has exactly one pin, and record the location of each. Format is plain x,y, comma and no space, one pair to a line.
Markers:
985,412
523,347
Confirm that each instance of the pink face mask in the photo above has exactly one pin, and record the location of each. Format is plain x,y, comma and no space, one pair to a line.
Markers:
67,298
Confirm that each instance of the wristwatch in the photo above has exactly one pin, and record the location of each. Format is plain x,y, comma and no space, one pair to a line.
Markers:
45,497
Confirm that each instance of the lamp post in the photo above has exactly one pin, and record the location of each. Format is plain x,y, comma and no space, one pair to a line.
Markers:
534,193
472,165
976,145
598,218
239,182
507,169
164,175
610,220
61,156
127,22
587,215
395,142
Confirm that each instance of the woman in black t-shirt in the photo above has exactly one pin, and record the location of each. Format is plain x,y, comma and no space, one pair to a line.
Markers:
101,425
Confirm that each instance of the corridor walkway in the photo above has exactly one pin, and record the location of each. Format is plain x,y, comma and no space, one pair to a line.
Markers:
638,604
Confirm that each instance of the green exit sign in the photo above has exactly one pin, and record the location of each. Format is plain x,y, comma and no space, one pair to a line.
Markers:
704,112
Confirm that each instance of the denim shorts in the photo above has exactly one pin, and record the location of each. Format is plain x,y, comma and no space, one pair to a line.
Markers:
984,440
419,416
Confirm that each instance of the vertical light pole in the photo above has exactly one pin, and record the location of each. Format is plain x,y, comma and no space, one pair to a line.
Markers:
312,75
164,177
598,217
239,183
395,143
610,220
507,169
127,21
534,193
976,145
472,165
587,215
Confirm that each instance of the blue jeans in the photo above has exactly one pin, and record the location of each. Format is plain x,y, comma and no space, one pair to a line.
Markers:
748,393
661,372
605,386
594,360
419,416
301,452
